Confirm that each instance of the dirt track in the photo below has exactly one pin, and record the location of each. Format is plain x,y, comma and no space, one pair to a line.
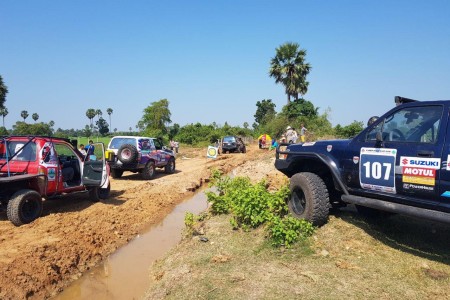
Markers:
37,260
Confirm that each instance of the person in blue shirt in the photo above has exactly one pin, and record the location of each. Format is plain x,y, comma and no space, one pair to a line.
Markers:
89,148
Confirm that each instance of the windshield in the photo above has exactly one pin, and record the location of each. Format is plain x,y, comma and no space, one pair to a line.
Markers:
229,139
117,142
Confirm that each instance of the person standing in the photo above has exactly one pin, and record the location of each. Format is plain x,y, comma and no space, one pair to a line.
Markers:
82,150
89,149
303,133
291,135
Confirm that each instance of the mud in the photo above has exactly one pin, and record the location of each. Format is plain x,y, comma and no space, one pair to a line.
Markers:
40,259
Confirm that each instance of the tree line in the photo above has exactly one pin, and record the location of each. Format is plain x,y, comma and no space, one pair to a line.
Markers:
288,68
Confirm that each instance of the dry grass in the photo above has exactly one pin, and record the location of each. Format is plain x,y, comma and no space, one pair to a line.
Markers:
349,258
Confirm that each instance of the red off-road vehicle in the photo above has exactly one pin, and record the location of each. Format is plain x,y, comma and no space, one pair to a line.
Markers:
35,168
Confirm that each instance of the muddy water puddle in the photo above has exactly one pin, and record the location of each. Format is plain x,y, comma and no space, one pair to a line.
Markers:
125,274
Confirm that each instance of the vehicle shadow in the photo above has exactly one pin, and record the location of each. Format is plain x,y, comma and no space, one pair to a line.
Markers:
411,235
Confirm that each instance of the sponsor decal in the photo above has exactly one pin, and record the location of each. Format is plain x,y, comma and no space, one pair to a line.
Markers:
355,159
420,162
329,148
446,194
448,159
409,186
51,174
309,144
420,170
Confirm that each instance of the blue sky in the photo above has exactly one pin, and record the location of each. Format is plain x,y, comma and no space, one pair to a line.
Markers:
210,59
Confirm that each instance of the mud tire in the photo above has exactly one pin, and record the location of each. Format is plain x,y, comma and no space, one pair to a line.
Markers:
309,198
127,153
24,207
149,171
170,167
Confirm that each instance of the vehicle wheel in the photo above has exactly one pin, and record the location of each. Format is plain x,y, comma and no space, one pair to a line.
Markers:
309,198
115,173
244,150
94,194
103,193
24,207
149,171
170,167
127,153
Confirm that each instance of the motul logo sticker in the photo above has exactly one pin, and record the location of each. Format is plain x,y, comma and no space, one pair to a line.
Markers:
420,162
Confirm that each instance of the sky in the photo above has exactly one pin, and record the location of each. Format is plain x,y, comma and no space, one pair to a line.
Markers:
211,59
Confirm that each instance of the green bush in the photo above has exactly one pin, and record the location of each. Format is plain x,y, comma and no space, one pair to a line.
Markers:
252,205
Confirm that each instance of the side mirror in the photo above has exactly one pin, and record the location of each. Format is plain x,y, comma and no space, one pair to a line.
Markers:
372,120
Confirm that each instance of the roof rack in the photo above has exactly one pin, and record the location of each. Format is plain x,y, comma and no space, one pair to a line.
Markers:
401,100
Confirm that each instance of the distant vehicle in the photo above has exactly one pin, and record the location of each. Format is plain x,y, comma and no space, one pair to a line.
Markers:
231,143
400,164
33,168
139,154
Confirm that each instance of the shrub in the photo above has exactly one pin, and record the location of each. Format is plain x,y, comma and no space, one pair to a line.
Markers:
252,205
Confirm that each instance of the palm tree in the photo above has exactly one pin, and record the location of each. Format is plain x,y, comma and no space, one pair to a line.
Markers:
289,68
3,92
109,111
90,114
35,117
24,114
3,113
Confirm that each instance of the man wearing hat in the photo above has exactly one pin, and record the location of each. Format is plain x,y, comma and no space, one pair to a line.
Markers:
291,135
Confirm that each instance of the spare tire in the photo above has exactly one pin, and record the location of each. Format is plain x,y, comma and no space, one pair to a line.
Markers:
127,153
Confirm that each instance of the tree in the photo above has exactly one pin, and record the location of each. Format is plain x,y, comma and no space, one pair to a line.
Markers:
3,113
245,125
109,111
24,114
87,131
265,110
103,127
289,68
3,92
90,114
51,123
300,108
157,115
35,117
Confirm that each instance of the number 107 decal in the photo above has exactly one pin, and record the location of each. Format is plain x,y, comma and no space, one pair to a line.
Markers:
377,169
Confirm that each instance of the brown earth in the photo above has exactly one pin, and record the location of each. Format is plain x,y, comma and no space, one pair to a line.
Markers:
38,260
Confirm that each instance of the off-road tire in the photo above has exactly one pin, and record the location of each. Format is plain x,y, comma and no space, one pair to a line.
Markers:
94,194
170,167
24,207
127,153
309,198
116,173
149,171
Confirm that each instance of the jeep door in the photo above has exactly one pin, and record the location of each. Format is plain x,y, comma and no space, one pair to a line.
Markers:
95,173
398,157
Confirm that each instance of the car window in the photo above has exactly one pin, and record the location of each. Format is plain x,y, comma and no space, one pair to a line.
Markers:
25,152
158,144
145,145
411,124
117,142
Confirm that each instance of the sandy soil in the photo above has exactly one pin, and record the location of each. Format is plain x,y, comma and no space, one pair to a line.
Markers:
37,260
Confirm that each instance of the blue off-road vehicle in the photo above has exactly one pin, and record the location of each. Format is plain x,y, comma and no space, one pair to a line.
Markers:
398,164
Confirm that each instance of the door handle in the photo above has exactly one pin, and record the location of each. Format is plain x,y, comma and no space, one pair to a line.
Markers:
425,153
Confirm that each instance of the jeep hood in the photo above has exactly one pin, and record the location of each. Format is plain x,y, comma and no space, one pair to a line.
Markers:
320,146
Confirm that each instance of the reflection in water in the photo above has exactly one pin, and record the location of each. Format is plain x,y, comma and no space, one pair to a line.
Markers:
125,274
